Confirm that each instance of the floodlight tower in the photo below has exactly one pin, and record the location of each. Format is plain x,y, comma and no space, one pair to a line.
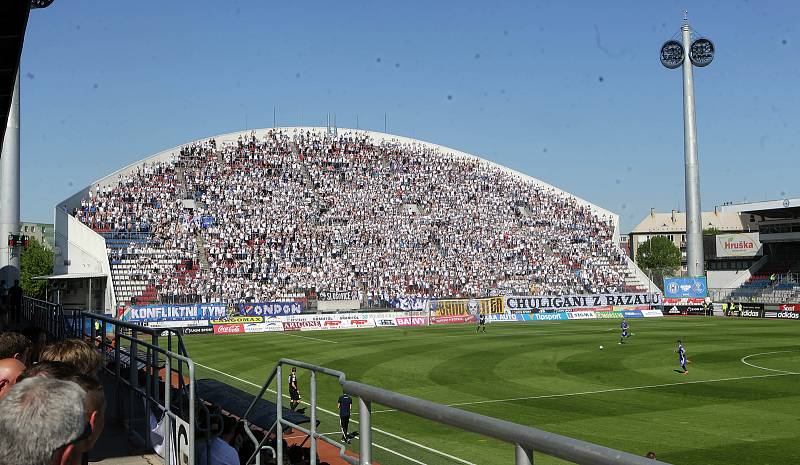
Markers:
673,55
9,182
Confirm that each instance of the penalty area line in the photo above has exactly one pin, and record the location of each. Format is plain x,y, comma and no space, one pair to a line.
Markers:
399,438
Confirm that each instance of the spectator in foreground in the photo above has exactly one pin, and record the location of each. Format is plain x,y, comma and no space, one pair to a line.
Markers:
212,447
10,368
75,351
43,423
15,345
95,395
38,338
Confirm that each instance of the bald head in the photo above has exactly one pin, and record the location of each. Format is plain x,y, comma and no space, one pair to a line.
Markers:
10,369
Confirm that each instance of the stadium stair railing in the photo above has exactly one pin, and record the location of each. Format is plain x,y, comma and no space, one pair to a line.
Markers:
525,439
149,369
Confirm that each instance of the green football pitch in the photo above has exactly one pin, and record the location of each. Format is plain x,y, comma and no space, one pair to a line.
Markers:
739,403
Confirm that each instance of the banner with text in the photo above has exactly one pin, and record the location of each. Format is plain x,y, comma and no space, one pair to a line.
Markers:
263,309
338,295
174,313
485,306
738,245
549,303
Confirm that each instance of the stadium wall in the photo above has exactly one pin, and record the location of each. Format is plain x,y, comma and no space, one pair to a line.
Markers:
80,250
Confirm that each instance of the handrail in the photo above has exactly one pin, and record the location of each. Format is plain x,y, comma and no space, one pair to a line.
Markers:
138,385
525,439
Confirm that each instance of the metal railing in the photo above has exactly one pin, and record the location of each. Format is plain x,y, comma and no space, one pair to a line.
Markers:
47,316
149,368
524,439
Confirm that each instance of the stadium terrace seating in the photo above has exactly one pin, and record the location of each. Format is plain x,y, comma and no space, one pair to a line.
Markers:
773,287
309,211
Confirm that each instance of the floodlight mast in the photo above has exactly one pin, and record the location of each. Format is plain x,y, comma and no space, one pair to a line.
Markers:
9,183
688,54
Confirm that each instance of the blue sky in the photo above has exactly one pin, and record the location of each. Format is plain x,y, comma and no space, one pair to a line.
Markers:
569,92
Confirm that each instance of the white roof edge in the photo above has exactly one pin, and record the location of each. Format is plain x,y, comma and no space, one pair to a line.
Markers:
761,205
70,276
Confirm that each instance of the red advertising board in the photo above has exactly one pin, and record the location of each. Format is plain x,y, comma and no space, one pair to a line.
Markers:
229,329
790,308
298,325
411,320
451,319
683,301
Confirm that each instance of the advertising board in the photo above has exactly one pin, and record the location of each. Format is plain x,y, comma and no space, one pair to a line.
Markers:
266,327
175,324
581,315
229,329
652,313
505,317
738,245
610,315
678,288
780,315
411,320
198,330
238,319
301,325
632,314
673,310
547,316
452,319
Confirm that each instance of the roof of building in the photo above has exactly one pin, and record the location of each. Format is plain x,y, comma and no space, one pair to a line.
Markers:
675,222
784,208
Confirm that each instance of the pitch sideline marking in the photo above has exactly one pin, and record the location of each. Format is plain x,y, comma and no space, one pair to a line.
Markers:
408,441
744,360
602,391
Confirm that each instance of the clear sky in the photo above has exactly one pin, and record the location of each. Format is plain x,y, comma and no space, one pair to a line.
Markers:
570,92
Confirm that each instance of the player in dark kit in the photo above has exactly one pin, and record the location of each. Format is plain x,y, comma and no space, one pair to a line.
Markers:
682,357
624,327
481,323
344,404
294,391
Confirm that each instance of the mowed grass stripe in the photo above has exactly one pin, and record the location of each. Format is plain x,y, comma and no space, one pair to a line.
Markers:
540,359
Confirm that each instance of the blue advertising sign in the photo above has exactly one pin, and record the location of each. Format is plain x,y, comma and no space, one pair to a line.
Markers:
271,308
632,314
681,288
173,312
544,316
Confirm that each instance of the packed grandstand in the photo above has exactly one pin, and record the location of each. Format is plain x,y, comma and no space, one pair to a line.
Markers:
304,211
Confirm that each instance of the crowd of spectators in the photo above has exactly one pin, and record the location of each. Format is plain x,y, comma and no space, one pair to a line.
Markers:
309,211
